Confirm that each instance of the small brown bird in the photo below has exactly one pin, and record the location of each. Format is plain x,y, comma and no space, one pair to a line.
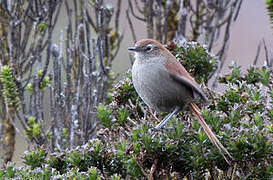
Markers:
165,85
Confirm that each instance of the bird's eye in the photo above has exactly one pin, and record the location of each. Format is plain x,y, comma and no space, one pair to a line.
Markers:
149,47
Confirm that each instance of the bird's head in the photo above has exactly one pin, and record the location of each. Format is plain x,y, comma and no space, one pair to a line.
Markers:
148,50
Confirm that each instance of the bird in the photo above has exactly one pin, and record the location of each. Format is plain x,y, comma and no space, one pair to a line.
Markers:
164,84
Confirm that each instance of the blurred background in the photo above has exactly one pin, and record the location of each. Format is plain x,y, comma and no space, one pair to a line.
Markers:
246,33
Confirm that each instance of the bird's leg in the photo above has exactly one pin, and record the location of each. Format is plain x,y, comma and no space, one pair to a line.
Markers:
175,111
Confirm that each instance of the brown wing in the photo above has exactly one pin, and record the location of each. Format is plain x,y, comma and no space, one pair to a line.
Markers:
186,82
179,74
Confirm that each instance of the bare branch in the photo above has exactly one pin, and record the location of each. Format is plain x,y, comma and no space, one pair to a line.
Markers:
237,10
131,25
149,18
266,54
132,11
117,15
257,54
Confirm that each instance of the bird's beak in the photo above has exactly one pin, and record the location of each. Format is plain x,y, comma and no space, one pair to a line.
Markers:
135,49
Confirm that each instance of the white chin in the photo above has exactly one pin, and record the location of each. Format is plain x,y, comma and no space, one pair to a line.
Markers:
136,55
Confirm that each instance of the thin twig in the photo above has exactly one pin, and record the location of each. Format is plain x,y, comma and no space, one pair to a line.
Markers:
131,26
237,10
117,15
266,54
133,13
257,54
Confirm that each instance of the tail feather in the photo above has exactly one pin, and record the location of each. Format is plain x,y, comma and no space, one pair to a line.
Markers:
196,111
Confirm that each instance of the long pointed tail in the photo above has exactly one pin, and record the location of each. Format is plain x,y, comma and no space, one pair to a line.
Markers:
196,111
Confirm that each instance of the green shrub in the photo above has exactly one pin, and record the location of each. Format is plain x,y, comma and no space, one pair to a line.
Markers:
10,90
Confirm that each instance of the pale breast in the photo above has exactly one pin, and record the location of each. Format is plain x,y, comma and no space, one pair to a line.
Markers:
157,89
